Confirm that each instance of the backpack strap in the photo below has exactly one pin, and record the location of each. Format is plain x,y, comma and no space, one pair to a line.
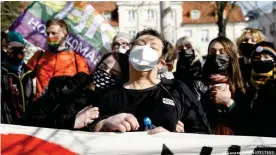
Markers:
76,64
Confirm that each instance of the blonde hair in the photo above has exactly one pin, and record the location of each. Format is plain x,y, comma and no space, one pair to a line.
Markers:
186,40
254,32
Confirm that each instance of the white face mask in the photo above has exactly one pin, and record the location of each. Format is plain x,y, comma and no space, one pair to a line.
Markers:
122,50
143,58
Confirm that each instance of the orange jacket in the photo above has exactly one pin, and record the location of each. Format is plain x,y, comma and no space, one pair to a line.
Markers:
52,64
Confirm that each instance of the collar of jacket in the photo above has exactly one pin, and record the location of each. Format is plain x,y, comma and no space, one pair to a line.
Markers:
65,48
18,70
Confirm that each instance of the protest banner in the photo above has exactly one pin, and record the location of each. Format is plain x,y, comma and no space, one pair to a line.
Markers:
90,35
34,140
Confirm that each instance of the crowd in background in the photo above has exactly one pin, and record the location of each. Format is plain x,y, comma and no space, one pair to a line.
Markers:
144,83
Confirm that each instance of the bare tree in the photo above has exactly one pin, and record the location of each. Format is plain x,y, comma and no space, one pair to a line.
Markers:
221,7
10,10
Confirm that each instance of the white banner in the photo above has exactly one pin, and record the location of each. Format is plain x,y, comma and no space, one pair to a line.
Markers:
33,140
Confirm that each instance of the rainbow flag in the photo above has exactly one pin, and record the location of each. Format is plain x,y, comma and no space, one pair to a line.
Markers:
90,35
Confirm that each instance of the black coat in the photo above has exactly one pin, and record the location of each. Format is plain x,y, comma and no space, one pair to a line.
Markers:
262,118
58,106
194,82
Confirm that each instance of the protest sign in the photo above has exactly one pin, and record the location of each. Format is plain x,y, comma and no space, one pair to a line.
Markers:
31,140
90,35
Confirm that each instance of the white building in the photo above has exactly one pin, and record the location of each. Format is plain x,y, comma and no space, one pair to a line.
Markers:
194,19
135,16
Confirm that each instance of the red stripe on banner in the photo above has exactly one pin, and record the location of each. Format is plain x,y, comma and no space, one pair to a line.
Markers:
15,144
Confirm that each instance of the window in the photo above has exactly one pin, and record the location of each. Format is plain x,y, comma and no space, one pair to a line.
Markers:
188,33
107,16
172,14
205,35
150,14
132,33
195,14
131,15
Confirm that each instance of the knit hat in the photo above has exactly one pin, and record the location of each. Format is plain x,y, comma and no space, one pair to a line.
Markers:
264,48
14,36
121,35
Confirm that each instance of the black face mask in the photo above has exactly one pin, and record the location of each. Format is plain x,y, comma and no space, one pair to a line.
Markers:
17,56
263,66
185,67
246,49
217,64
103,80
186,58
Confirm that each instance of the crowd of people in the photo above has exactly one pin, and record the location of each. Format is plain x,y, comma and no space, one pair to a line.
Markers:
229,92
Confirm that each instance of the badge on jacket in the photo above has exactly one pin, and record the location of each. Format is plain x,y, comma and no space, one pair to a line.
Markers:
168,101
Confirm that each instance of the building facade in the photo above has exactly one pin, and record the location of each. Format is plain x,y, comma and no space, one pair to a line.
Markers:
199,23
196,20
135,16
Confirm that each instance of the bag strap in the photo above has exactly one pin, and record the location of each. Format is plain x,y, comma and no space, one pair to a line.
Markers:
76,64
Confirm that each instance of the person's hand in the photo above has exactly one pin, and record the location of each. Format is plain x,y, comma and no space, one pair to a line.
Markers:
221,96
86,116
122,122
157,130
180,127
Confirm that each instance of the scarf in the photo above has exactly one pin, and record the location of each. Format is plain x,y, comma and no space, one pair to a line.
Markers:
258,79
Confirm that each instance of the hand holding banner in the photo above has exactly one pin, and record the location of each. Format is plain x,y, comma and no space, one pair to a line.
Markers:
55,141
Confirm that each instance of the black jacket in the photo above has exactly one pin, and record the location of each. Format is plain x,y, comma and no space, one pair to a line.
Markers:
246,68
17,92
58,106
194,82
188,109
262,116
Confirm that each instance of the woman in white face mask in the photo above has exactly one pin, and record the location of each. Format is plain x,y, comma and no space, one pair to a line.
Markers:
166,103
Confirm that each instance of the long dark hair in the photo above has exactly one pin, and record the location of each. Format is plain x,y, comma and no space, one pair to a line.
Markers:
233,72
